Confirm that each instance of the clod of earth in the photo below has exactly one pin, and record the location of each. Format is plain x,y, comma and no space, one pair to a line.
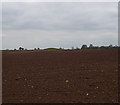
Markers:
32,86
87,94
67,81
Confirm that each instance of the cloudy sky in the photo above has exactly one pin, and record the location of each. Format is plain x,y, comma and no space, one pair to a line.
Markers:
65,25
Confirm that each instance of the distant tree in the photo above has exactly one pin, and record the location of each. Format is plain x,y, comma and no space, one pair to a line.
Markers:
72,48
35,49
91,46
84,46
95,47
104,47
38,48
20,48
60,48
77,48
110,46
116,46
14,49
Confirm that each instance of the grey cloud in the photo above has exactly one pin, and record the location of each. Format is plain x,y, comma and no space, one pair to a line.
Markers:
59,16
59,24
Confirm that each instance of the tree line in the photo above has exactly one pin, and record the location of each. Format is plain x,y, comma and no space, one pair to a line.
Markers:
97,47
77,48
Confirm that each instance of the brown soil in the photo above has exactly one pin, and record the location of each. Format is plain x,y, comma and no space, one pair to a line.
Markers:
81,76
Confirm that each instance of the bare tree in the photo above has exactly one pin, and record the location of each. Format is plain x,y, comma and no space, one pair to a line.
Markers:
84,46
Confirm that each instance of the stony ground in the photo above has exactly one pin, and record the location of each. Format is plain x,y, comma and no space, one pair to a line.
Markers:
79,76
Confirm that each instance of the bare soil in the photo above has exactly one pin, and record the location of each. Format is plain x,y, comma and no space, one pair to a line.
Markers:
78,76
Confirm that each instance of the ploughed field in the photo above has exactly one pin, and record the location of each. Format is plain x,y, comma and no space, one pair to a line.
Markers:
50,76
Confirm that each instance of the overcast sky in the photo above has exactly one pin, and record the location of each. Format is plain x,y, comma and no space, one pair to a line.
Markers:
65,25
